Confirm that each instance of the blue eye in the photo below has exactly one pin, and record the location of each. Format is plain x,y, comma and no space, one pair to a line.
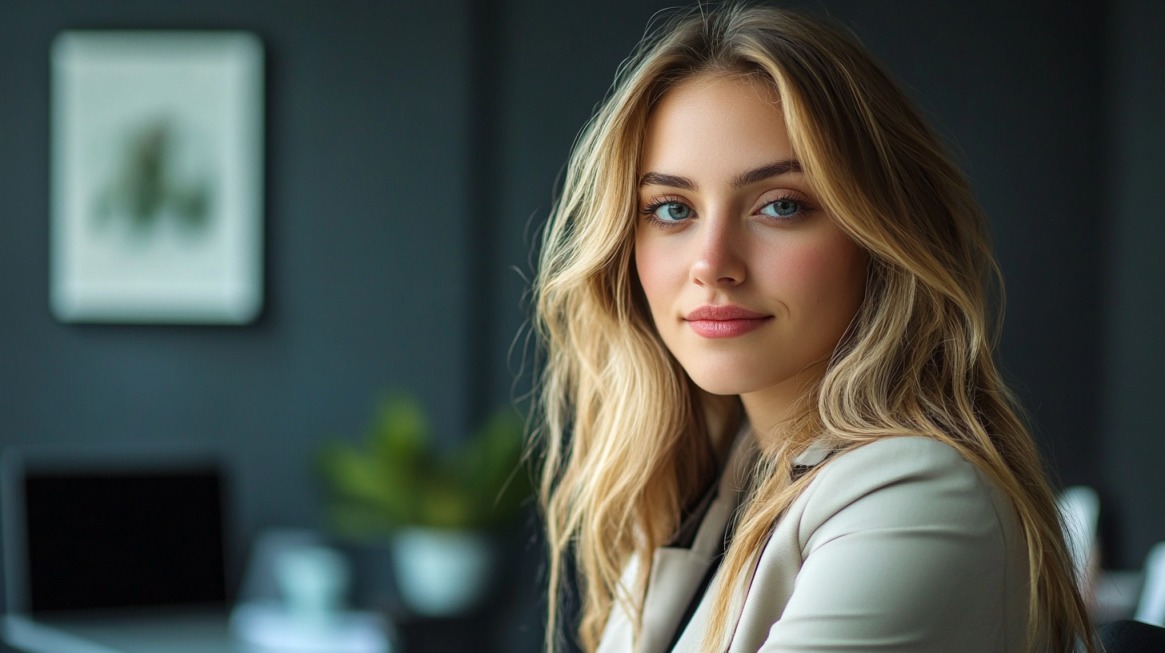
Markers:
672,212
782,209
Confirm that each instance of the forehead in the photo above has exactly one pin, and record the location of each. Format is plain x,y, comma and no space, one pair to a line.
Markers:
715,122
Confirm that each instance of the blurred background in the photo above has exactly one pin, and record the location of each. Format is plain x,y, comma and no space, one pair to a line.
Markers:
412,151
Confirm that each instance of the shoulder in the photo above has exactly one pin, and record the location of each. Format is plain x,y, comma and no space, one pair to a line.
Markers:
899,481
901,543
892,461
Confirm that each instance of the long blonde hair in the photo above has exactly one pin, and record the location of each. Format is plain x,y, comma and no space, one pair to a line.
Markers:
628,437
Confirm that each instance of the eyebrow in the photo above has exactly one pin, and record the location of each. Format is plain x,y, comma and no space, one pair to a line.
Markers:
743,179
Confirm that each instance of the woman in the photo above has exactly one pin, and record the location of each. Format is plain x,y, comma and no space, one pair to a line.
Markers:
772,414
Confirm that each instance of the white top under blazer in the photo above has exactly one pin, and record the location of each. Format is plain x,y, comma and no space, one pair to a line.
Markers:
900,545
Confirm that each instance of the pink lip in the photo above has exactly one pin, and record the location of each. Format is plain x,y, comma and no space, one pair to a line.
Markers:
724,321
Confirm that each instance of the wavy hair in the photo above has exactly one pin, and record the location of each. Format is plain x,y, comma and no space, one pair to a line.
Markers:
629,437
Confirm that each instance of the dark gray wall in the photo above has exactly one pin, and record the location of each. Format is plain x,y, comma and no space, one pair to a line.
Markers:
413,148
1133,279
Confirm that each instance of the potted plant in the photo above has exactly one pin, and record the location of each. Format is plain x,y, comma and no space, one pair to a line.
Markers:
438,505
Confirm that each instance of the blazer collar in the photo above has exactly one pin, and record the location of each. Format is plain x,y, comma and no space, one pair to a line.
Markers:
814,454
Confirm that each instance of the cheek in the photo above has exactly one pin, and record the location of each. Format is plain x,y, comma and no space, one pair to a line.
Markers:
656,271
827,275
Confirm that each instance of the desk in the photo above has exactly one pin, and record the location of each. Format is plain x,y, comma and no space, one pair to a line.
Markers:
483,632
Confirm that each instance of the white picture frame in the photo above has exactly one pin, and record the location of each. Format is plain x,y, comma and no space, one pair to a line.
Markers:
157,177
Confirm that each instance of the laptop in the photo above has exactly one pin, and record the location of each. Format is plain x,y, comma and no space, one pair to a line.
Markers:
114,550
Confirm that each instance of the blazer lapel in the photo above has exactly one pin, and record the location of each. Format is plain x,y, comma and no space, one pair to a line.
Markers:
693,636
676,573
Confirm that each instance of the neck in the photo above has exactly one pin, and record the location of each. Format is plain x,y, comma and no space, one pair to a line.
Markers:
722,418
772,411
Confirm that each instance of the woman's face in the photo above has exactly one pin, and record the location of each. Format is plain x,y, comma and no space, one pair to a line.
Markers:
750,282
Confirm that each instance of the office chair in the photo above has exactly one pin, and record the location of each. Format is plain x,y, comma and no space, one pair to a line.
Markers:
1151,607
1128,636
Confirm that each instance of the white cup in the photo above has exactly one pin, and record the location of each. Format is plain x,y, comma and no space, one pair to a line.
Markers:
314,581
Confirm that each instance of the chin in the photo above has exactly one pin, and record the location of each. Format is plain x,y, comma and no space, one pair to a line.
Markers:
724,384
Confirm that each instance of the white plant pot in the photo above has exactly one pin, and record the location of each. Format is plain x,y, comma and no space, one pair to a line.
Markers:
441,573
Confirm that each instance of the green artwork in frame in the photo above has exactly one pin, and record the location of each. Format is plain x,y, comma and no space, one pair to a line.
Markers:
157,177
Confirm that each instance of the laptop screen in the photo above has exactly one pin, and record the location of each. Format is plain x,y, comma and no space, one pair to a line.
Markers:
114,535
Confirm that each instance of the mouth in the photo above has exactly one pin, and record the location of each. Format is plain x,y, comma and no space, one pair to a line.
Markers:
724,321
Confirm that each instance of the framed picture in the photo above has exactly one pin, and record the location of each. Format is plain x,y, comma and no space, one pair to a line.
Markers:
157,177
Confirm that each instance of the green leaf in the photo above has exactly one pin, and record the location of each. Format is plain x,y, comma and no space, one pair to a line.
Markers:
352,474
400,433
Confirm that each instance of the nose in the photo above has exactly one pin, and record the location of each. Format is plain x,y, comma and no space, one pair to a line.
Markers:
718,261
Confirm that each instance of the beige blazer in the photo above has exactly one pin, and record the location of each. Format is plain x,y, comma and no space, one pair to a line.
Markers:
899,545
